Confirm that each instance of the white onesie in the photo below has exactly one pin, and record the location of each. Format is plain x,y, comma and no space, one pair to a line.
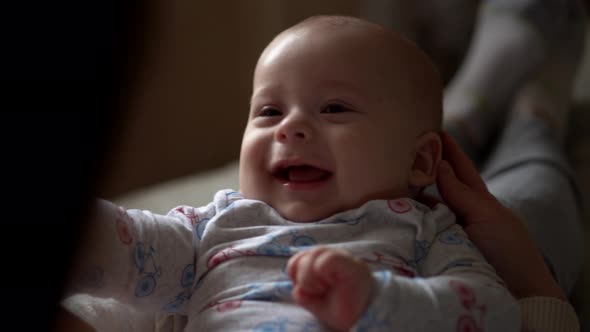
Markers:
223,266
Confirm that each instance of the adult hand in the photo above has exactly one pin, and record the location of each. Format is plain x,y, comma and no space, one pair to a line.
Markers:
499,233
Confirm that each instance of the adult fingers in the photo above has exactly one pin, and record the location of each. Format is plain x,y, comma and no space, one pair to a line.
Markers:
463,166
427,199
461,198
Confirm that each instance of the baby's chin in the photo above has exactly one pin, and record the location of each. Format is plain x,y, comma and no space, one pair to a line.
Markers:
305,212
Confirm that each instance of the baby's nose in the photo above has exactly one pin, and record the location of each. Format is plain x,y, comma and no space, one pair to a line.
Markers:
294,129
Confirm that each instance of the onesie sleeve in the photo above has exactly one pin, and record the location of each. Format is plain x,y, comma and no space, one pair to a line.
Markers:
457,290
107,315
138,258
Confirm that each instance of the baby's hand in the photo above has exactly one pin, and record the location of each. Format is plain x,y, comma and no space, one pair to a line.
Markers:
331,284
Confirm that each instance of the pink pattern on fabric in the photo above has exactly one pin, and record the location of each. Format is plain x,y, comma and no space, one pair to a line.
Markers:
224,306
466,294
189,212
468,298
399,205
227,254
398,265
466,323
229,305
123,231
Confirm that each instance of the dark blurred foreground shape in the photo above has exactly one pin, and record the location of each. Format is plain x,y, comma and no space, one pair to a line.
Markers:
67,71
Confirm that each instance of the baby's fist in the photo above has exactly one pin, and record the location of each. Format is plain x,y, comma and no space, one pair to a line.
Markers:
332,284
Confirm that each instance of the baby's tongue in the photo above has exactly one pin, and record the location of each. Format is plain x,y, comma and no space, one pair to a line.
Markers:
305,174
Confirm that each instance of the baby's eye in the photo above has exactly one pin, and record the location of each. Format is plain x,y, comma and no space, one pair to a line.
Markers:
269,111
335,108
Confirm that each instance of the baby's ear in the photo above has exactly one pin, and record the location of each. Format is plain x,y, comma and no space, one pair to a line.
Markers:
428,155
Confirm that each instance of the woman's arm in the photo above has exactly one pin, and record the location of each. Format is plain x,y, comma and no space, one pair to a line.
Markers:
495,229
504,240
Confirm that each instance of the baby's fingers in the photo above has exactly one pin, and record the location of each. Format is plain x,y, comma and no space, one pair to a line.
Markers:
302,272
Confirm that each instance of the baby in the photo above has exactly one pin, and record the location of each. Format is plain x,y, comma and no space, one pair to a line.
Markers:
324,233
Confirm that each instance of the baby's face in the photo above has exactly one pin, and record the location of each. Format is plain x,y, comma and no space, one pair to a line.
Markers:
326,130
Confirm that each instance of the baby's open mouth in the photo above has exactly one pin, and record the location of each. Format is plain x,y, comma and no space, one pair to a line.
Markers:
302,174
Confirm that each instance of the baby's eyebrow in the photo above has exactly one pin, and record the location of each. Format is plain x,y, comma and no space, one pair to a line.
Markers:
344,87
264,91
347,87
251,102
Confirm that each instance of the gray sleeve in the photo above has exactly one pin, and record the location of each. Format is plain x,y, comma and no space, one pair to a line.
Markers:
138,258
107,315
457,291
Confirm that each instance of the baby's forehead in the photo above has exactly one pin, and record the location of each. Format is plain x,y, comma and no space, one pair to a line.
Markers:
381,46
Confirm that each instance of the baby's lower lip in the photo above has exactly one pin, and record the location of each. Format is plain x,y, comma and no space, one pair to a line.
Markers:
305,186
